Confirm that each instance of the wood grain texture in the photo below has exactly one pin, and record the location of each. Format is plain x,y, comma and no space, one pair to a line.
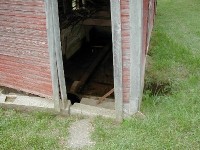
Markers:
117,57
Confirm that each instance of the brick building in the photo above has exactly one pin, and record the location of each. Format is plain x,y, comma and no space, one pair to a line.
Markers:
31,56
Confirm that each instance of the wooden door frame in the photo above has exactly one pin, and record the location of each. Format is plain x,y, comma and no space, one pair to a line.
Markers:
55,53
117,56
56,62
136,64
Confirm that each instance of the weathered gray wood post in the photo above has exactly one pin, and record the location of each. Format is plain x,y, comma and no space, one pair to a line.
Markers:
56,62
117,56
127,30
136,30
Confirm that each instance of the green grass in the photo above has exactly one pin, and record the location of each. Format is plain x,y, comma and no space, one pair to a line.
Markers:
22,131
173,118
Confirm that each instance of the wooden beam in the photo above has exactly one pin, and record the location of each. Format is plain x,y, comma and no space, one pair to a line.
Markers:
101,99
97,22
78,85
104,14
136,24
58,51
53,66
117,56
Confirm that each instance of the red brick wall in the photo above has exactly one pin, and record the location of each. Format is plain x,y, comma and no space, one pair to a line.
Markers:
125,22
24,56
148,17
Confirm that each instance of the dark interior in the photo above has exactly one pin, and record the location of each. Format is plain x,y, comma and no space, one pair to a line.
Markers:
86,39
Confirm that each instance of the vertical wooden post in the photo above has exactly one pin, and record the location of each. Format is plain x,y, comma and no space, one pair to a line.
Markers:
64,3
136,27
53,65
117,56
58,51
54,44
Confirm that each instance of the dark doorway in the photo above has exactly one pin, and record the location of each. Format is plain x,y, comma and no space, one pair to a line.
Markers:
86,39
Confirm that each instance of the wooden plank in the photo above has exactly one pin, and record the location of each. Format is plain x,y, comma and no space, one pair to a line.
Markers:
136,22
102,14
101,99
58,51
117,56
78,85
97,22
51,46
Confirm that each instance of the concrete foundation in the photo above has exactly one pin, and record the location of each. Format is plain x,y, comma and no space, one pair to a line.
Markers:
88,107
91,111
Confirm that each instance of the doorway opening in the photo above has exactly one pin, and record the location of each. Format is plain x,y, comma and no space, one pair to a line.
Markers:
86,40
